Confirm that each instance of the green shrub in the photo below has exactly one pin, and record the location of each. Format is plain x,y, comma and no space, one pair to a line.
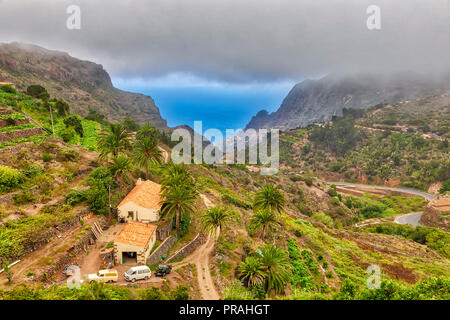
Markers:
33,171
445,187
38,91
324,218
181,292
67,134
76,196
8,89
9,178
185,221
332,191
47,157
23,198
153,293
74,121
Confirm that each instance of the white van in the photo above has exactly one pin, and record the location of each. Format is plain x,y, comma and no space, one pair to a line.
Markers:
137,273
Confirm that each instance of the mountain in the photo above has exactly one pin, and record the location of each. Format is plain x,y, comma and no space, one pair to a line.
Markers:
318,100
82,84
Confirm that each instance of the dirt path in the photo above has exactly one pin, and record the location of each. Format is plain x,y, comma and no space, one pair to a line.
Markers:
165,154
200,258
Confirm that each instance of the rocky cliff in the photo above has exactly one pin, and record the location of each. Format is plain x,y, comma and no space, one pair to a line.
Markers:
82,84
318,100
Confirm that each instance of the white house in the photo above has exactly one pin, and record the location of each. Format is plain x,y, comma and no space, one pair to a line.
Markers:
134,243
142,204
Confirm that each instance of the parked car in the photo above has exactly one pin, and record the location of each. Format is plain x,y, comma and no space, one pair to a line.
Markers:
106,275
163,269
70,270
137,273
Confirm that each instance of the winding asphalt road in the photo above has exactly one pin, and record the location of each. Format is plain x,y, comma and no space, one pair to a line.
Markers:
410,218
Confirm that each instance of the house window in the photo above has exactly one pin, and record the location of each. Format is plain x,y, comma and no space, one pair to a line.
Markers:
130,215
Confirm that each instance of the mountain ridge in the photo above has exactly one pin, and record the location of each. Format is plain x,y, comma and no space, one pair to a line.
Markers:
319,100
83,84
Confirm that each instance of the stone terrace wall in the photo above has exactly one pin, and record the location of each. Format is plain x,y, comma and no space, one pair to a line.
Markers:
66,260
189,248
163,248
20,134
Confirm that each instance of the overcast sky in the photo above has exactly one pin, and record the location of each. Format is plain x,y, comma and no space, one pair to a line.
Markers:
237,41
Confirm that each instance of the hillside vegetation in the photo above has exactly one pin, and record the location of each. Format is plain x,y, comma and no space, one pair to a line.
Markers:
286,236
402,144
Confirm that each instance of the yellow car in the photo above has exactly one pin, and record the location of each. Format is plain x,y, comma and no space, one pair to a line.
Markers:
106,275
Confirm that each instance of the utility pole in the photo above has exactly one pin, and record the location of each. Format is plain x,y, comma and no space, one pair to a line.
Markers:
109,203
51,117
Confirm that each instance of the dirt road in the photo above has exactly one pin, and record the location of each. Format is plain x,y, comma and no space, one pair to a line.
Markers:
200,258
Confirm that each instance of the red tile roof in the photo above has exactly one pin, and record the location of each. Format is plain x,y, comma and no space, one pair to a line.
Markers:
145,194
136,234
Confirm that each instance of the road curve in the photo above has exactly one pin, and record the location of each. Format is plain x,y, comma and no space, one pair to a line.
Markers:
410,218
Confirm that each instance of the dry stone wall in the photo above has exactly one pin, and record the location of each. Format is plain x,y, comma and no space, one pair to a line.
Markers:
189,248
4,137
163,248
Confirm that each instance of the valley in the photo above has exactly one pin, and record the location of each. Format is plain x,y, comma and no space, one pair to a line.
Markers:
368,187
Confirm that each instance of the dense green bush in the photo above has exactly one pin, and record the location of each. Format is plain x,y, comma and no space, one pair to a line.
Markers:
76,196
74,121
67,134
185,221
445,186
9,178
38,91
8,89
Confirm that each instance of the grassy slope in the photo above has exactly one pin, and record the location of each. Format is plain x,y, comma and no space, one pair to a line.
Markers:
415,158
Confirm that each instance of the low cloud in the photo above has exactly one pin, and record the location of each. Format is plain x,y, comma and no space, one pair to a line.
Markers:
237,41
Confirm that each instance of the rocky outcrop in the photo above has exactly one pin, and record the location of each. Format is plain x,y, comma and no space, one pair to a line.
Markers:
319,100
82,84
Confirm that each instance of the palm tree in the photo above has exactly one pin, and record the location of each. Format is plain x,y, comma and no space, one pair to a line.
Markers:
276,266
176,174
179,200
215,218
120,168
252,271
264,220
146,151
147,131
270,198
113,142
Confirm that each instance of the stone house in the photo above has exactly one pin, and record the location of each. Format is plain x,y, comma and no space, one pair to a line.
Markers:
134,243
142,204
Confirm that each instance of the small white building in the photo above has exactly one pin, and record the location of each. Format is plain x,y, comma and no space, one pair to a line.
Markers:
134,243
142,204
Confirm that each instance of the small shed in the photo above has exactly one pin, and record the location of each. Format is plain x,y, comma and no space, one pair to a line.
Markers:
134,243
